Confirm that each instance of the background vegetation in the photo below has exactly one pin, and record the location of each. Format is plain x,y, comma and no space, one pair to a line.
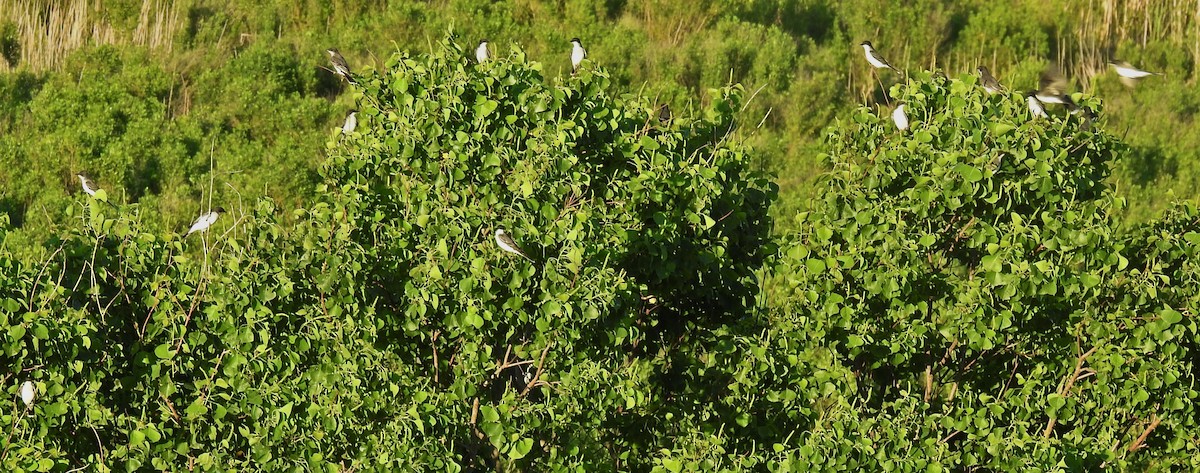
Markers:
774,280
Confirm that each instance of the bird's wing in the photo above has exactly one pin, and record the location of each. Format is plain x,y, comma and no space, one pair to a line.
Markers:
1052,81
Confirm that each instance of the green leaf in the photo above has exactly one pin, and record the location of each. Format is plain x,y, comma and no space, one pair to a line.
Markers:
969,173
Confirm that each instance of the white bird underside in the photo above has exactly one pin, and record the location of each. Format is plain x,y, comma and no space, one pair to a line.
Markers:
506,243
87,186
28,391
900,117
1132,73
351,123
578,54
875,59
481,53
1036,108
203,222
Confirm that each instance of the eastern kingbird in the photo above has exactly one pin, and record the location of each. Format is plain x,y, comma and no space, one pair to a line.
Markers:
900,117
1052,87
205,220
339,64
989,82
89,186
481,52
351,122
1130,76
507,244
578,54
664,115
28,391
874,58
1035,105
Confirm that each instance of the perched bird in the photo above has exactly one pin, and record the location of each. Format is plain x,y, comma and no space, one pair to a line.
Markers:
28,391
989,83
873,57
1130,76
507,244
89,186
339,64
578,54
1052,87
205,220
1087,116
664,115
900,117
481,52
1035,105
351,122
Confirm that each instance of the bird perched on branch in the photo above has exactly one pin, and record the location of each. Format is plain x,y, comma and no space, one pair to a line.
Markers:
339,64
877,61
578,54
28,392
89,186
900,117
989,82
481,52
507,244
1035,106
205,220
351,122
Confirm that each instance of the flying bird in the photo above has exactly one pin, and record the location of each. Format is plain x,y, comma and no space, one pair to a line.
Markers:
578,54
339,64
205,220
1130,76
507,244
351,122
481,52
873,57
28,391
900,117
1052,87
989,82
1035,105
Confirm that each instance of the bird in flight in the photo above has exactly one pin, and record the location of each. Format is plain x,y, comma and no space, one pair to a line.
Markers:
351,122
873,57
205,220
1052,87
989,82
1130,76
900,117
507,244
578,54
339,64
481,52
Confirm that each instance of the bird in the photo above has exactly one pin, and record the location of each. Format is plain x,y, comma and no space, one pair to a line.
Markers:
205,220
1129,75
507,244
664,115
989,82
900,117
89,186
1052,87
874,58
481,51
578,54
28,391
351,122
1035,105
339,64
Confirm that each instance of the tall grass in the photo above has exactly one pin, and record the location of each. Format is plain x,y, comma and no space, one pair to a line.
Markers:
47,30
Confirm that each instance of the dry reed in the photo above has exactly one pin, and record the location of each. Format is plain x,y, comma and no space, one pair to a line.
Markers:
47,31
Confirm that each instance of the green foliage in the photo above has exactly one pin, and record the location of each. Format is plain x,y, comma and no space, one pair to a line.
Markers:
970,271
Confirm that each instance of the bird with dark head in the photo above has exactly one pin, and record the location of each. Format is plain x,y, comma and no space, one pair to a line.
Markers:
989,82
578,54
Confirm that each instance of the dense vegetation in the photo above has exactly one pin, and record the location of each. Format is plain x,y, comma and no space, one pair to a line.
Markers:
983,291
